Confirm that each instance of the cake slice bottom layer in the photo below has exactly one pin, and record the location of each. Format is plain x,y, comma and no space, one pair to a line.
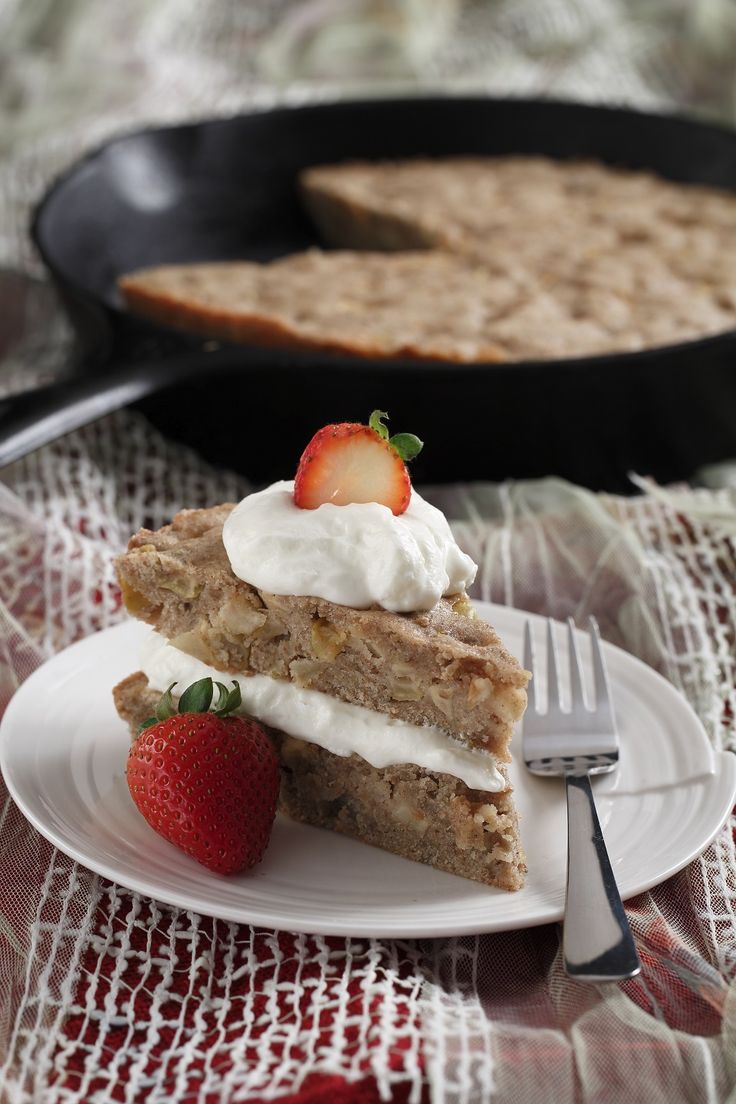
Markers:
422,815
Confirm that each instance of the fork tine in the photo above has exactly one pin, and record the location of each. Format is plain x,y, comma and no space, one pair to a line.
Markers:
603,706
553,682
531,690
577,691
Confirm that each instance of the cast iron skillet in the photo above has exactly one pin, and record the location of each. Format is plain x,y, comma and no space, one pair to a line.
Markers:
226,189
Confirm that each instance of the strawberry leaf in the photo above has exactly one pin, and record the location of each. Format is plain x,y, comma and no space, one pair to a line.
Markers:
375,422
406,444
148,723
232,701
165,707
222,695
197,697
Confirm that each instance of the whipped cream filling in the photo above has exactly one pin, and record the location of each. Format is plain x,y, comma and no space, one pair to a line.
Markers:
334,725
359,555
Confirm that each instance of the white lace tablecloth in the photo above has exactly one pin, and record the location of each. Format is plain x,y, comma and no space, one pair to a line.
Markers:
107,996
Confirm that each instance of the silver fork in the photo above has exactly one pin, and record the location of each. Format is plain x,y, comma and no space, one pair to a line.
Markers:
597,943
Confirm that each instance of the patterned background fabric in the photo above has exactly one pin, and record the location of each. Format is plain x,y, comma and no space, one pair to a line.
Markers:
107,996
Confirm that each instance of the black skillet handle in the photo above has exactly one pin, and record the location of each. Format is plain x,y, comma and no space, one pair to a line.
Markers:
92,381
34,418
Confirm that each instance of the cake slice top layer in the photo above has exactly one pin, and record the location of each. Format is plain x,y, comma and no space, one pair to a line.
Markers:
443,667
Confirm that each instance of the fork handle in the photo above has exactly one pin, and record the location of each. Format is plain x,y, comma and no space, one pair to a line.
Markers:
597,943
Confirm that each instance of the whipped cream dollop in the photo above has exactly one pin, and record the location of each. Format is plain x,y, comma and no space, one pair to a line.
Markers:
358,555
320,719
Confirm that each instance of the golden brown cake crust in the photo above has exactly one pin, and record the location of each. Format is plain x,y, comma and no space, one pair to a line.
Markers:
426,306
444,667
424,816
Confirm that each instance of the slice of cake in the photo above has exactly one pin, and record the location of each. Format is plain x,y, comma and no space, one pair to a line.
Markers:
347,626
429,306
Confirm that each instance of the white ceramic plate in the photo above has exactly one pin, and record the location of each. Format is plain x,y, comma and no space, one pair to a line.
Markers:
63,751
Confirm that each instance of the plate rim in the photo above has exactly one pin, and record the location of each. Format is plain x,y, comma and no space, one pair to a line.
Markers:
724,781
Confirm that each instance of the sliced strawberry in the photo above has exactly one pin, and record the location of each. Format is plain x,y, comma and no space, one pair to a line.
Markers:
348,462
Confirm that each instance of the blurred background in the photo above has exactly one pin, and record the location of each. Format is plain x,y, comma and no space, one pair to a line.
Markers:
75,72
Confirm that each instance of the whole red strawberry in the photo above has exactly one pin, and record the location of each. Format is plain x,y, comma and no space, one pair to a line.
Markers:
205,781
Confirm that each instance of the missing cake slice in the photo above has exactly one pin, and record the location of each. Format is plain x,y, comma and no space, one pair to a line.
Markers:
392,727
